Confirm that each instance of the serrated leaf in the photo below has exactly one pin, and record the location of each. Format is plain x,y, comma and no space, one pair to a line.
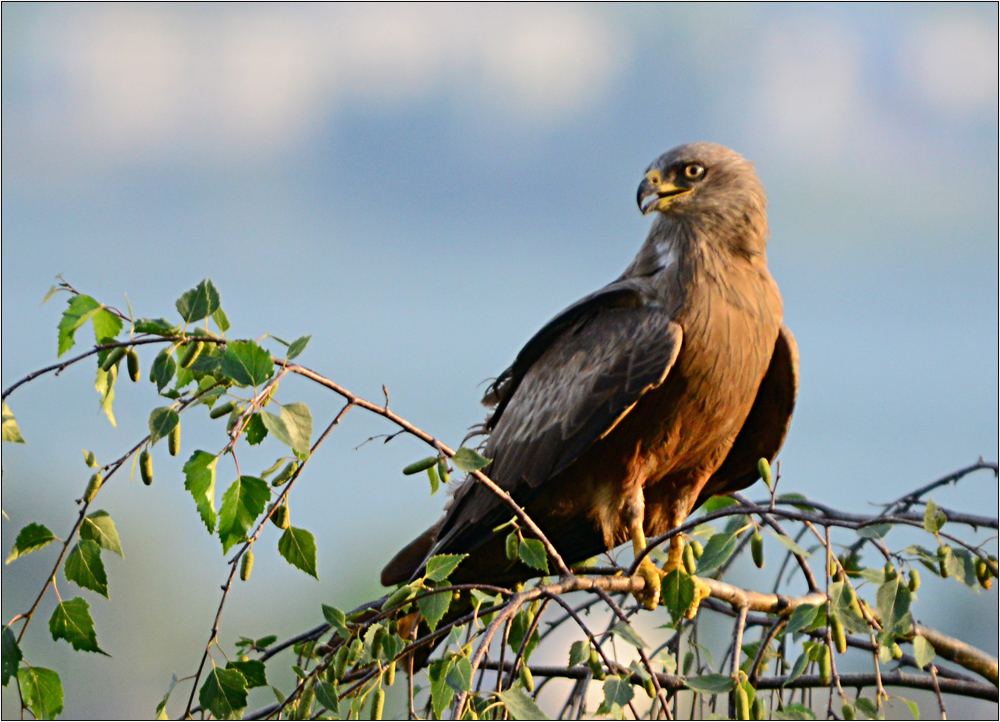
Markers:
532,552
794,712
162,421
105,386
867,707
434,607
254,431
41,690
85,568
163,369
469,460
914,707
923,651
78,311
221,319
11,655
158,326
519,627
243,502
714,503
246,363
293,427
298,547
326,695
253,670
677,593
460,675
711,684
296,347
961,566
801,618
71,621
98,527
441,692
717,552
618,693
934,518
874,531
199,479
337,619
624,630
893,602
224,693
798,668
106,326
840,603
199,302
521,706
441,566
579,652
31,538
10,430
790,545
161,708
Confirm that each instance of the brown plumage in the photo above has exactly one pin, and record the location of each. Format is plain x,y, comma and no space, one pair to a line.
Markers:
636,403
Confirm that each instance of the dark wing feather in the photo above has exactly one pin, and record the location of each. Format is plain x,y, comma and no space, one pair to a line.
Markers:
765,429
587,378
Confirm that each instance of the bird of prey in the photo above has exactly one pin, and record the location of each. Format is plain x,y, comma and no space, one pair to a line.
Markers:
638,402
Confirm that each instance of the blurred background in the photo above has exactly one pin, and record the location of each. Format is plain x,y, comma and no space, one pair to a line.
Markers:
420,188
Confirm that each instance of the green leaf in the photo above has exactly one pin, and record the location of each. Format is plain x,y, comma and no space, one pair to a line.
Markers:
79,310
99,528
253,670
106,326
84,566
105,386
519,627
677,593
874,531
10,431
798,668
434,607
934,518
326,695
298,547
460,676
11,655
338,620
72,621
867,707
441,692
31,538
441,566
618,693
469,460
224,693
790,545
893,602
254,431
579,652
246,363
624,630
961,565
221,319
89,459
41,690
532,553
711,684
158,326
296,347
432,475
199,479
914,707
794,712
801,618
520,705
840,602
293,427
714,503
923,651
199,302
243,502
161,708
717,552
53,290
162,421
163,370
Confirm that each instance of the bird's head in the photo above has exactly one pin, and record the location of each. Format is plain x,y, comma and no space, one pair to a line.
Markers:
706,183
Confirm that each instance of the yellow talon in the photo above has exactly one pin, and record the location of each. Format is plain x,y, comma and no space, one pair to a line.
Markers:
649,595
675,560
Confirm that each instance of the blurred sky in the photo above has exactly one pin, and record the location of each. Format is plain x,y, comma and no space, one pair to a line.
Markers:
420,188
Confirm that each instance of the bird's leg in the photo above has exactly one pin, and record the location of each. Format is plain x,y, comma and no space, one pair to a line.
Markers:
649,596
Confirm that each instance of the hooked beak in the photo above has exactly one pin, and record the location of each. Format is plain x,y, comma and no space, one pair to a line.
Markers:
662,193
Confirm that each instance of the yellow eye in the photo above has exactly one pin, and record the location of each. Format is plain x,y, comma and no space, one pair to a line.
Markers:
694,171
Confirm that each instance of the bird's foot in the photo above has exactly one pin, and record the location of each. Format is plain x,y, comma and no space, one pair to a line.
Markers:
701,592
675,562
649,595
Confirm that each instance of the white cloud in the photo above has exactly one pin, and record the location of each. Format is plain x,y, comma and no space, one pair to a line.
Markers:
236,80
952,64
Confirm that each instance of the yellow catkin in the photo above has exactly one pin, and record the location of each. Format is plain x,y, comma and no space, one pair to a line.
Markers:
174,440
246,565
134,370
757,549
839,636
93,486
378,703
146,467
742,703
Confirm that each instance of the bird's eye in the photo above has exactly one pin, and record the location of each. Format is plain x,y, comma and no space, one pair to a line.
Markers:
694,171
